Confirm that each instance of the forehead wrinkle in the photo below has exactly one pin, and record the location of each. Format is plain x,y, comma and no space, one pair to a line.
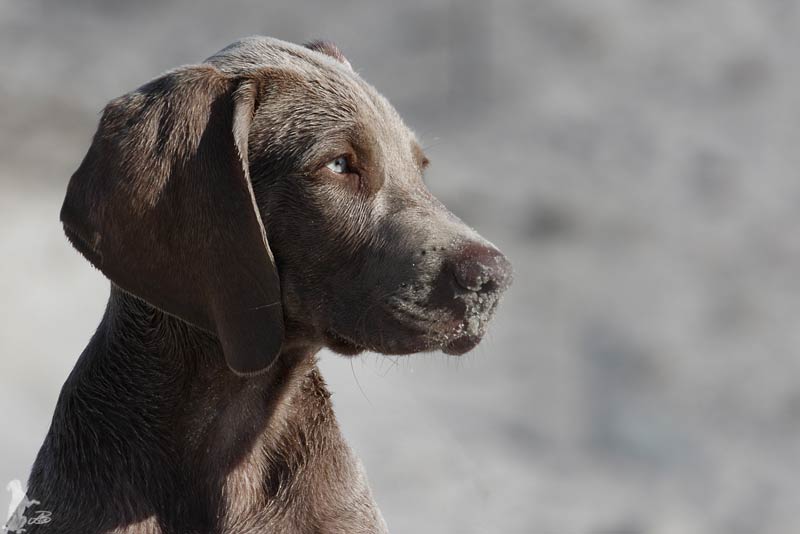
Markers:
392,135
252,53
308,111
335,85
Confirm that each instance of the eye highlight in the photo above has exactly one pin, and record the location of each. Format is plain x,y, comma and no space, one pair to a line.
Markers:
340,165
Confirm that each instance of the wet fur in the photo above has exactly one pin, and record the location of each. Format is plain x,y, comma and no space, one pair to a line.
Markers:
152,432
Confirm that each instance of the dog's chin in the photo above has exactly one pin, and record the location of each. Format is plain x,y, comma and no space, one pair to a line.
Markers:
454,345
342,345
461,345
346,346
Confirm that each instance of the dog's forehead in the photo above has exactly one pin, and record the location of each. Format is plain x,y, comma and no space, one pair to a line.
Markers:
257,52
252,54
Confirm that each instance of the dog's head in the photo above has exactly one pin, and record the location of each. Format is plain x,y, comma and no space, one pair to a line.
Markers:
271,196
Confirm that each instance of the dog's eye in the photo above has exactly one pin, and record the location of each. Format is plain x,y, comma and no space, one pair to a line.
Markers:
339,165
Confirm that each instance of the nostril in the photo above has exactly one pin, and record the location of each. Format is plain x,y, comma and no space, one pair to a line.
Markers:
490,286
482,269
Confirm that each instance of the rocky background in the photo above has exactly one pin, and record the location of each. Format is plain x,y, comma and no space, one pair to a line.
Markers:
636,159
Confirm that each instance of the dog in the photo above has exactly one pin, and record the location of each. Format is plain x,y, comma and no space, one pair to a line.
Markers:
248,211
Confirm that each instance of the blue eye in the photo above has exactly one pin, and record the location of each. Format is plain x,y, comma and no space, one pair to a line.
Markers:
339,165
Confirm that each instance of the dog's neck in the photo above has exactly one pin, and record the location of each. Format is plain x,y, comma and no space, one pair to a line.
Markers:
152,407
181,370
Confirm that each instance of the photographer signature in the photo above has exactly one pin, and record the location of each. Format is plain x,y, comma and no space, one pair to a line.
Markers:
42,517
16,510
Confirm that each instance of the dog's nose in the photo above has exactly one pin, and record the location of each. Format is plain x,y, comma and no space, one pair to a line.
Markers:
481,268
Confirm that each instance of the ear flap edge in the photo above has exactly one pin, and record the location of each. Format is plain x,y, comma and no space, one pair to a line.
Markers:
163,205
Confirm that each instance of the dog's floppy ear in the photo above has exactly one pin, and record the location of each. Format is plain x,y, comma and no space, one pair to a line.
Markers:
162,204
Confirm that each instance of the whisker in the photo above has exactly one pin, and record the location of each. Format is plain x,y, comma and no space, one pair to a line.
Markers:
353,371
270,305
393,361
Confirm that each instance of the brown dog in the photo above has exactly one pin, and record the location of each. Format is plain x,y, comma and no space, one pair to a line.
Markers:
249,211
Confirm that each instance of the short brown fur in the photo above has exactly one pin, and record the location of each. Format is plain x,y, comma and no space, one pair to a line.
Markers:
237,251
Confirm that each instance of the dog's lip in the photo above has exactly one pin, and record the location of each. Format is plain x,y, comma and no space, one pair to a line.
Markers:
457,340
423,325
450,335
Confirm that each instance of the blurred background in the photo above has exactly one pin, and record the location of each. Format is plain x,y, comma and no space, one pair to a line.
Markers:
637,161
